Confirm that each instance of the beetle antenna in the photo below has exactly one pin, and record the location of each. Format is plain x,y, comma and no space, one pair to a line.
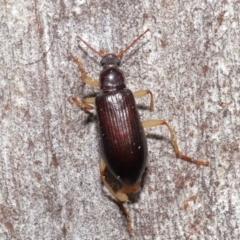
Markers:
99,53
120,55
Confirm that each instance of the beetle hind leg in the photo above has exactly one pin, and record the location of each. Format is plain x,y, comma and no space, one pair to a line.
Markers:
129,189
155,123
120,197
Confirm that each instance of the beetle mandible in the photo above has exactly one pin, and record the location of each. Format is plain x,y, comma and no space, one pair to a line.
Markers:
122,139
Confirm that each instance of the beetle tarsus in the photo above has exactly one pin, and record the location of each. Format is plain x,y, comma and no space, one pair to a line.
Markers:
188,159
126,214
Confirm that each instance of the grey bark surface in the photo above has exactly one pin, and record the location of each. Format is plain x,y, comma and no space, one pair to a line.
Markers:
50,185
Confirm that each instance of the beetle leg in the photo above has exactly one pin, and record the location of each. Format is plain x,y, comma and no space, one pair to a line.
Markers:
90,81
120,198
84,104
155,123
130,189
142,93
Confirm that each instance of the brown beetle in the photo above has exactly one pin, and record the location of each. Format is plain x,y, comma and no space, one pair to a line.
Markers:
123,141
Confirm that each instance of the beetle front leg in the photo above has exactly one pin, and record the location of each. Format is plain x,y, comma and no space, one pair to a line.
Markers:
89,81
119,197
142,93
155,123
84,104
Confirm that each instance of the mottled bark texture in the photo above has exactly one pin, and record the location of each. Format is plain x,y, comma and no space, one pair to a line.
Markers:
49,168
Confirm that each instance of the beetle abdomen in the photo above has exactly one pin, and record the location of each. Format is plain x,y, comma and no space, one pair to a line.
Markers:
123,141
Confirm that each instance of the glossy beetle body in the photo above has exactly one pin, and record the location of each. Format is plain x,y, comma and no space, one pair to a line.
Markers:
123,142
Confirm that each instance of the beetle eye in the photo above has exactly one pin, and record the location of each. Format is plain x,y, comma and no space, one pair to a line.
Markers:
103,61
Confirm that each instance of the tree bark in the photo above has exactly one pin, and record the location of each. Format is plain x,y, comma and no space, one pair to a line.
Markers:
190,60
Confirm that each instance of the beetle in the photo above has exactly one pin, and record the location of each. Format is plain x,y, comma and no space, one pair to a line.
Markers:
122,139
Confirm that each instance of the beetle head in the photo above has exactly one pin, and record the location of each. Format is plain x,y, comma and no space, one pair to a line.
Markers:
110,59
